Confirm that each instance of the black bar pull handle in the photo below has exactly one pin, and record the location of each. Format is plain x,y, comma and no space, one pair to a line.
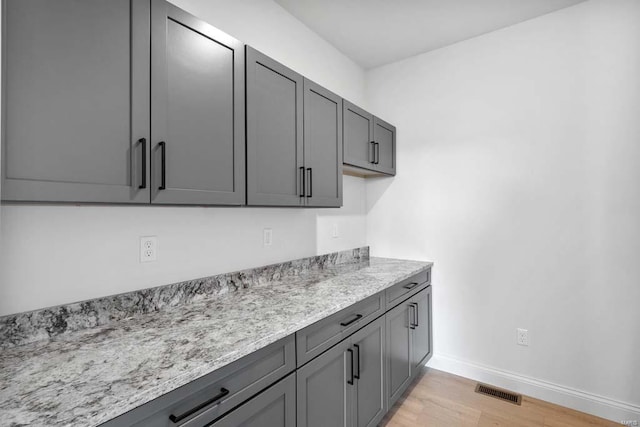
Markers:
417,315
143,181
372,152
411,285
350,381
302,181
163,170
358,317
357,376
176,419
310,172
412,325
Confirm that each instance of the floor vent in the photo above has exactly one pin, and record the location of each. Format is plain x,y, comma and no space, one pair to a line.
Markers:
505,395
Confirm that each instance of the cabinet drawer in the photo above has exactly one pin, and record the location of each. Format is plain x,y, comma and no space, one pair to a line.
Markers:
274,407
408,287
316,338
206,399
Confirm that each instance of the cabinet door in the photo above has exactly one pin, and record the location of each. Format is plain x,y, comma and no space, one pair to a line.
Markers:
358,136
197,100
399,355
76,101
275,162
384,136
370,400
325,395
322,146
274,407
422,332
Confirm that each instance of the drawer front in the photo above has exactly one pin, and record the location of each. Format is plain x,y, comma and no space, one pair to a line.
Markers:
407,288
322,335
206,399
274,407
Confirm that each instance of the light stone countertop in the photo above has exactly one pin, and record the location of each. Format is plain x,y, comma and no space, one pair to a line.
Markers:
87,377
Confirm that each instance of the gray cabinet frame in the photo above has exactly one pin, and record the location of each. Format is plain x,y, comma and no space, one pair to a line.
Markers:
256,197
359,383
161,13
358,149
371,151
321,154
370,346
262,410
385,147
41,190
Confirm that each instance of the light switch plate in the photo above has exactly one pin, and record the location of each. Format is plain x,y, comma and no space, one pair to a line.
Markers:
267,237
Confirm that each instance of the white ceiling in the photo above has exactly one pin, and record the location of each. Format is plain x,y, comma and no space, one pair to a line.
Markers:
377,32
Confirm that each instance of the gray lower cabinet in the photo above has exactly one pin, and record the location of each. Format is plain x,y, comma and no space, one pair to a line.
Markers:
197,105
76,101
274,407
399,351
325,388
275,154
422,339
322,335
409,342
370,403
345,385
294,138
369,142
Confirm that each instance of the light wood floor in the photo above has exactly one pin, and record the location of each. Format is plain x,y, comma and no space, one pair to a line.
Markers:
442,399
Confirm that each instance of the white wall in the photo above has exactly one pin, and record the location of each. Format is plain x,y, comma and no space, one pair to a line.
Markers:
519,175
56,254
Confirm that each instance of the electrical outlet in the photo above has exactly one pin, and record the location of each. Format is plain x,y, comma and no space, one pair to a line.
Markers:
335,233
148,248
522,337
267,237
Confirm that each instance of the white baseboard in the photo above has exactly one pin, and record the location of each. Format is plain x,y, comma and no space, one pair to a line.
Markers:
564,396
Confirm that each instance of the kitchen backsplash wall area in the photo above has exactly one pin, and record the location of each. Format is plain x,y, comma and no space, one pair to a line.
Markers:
50,322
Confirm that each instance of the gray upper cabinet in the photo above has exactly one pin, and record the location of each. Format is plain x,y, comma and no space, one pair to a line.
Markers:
322,146
76,101
384,136
275,155
369,142
358,136
294,138
197,104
